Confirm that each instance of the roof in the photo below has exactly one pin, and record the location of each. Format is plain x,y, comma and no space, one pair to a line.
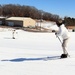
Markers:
1,17
17,18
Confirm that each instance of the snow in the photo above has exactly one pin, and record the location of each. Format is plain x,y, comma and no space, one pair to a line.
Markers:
25,55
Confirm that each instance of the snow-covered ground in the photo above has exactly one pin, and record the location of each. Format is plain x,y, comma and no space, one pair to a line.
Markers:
25,55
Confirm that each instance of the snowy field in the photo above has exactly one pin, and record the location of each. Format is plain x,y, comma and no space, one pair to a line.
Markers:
26,54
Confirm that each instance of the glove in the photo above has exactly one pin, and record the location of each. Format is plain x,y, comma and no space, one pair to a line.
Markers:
53,30
55,33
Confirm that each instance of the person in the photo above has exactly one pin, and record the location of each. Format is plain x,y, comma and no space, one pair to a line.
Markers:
63,32
13,37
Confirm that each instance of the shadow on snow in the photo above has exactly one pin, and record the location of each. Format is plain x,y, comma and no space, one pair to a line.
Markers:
33,59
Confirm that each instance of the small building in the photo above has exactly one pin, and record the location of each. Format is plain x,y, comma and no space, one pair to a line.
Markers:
20,21
72,28
2,20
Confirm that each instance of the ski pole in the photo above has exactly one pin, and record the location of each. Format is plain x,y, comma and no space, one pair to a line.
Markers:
59,39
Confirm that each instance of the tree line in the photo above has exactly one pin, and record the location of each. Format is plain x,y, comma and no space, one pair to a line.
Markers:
26,11
16,10
69,21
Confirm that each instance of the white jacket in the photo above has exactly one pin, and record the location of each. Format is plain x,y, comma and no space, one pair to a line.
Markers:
63,32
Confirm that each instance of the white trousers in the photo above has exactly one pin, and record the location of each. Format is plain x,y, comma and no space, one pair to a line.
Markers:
64,46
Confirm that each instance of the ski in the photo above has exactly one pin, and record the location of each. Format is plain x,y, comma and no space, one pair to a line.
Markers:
54,58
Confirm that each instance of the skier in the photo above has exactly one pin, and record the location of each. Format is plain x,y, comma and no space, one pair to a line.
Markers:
13,37
63,32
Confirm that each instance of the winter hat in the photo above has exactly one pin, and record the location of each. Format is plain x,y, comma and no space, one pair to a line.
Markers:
59,22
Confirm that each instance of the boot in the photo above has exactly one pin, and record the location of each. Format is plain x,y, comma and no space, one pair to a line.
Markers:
64,55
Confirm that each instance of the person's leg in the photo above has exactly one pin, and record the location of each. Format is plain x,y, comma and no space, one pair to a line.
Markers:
64,46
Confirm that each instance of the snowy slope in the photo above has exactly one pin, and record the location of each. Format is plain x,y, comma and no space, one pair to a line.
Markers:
25,54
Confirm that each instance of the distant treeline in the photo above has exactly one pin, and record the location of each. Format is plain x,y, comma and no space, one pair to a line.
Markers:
17,10
26,11
69,21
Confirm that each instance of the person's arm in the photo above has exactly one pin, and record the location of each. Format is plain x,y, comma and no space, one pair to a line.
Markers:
61,31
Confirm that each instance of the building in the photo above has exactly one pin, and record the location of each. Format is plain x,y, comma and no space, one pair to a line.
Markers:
2,20
20,21
71,28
